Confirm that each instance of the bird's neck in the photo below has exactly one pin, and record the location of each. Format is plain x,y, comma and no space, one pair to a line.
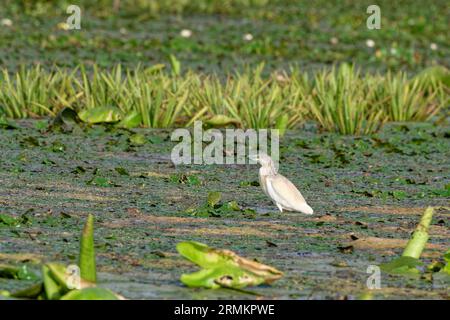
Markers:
267,171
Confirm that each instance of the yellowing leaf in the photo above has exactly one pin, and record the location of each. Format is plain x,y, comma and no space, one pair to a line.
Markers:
223,268
221,120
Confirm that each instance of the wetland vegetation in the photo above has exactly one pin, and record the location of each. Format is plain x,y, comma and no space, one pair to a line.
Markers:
85,123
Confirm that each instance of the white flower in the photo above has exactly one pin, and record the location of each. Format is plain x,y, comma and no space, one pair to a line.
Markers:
393,51
248,37
370,43
334,40
6,22
433,46
186,33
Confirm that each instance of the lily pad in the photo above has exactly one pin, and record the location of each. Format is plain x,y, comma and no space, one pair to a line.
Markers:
100,115
220,120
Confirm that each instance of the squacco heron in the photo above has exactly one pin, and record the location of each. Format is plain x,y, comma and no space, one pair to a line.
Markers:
282,191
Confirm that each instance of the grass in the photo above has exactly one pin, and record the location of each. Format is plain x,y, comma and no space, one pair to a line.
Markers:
340,99
310,33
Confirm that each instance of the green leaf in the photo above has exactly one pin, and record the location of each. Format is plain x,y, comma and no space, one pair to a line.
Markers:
122,171
223,268
101,182
132,120
26,274
446,269
8,220
100,115
220,120
214,198
90,294
399,195
175,65
199,254
402,265
18,273
282,123
87,252
419,238
31,292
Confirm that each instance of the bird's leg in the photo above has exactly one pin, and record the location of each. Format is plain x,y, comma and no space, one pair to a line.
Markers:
279,207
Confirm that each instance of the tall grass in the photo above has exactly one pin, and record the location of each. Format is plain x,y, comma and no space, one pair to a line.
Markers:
340,99
409,100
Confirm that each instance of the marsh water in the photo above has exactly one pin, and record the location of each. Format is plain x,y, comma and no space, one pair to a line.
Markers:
368,194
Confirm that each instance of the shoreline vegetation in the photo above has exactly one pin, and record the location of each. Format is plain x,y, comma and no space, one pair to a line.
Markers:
339,99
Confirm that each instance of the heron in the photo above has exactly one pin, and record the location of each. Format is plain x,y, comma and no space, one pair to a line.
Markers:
278,188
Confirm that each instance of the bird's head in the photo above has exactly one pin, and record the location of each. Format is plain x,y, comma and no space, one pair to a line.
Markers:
263,159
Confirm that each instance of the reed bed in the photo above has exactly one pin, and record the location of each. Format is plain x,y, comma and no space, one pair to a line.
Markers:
341,99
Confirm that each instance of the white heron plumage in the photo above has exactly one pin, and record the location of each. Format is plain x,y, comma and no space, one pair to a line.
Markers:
278,188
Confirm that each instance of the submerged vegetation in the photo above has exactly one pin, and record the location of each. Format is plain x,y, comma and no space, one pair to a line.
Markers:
341,99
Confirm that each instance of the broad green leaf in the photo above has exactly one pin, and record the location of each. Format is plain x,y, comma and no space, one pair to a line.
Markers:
87,252
101,182
53,279
8,220
18,273
233,206
100,115
155,68
399,195
132,120
90,294
407,263
223,268
31,292
26,274
402,265
214,198
200,254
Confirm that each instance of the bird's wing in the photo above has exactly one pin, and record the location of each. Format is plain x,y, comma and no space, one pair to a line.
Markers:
284,192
